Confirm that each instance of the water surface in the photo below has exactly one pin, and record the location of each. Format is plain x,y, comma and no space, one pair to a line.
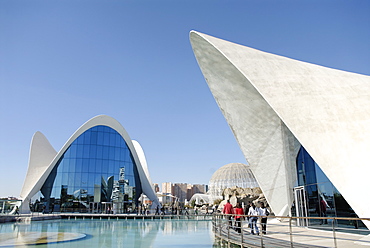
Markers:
111,233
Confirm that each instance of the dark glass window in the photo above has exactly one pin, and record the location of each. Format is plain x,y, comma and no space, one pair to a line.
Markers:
318,187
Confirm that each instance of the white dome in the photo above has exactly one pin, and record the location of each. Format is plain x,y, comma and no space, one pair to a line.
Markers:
230,175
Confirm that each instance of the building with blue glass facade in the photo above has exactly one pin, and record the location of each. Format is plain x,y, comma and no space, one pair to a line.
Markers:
303,128
316,196
99,169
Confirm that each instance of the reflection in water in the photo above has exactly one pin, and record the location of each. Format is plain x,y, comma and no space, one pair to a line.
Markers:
122,233
36,238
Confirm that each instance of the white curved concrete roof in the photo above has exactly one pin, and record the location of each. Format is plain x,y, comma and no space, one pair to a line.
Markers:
43,158
41,153
273,104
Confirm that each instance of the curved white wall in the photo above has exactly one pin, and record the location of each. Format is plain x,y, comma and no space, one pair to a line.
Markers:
271,103
41,153
140,152
42,160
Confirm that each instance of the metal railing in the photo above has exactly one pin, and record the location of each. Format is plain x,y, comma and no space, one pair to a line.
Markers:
283,231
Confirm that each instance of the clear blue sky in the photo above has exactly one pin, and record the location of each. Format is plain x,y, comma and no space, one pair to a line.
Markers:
64,62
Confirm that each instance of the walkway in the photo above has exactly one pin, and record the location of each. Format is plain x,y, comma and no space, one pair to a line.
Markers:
278,235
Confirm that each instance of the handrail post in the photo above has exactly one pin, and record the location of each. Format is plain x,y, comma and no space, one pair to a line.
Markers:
334,236
228,229
261,233
241,231
220,227
213,224
290,232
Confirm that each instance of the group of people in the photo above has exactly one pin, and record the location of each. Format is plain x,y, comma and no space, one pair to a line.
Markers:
252,211
173,210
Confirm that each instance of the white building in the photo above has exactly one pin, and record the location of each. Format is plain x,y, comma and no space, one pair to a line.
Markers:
274,105
99,167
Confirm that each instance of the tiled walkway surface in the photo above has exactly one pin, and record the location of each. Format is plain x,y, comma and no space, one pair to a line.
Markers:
278,235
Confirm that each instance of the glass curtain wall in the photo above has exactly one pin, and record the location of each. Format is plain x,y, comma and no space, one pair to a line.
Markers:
323,199
97,173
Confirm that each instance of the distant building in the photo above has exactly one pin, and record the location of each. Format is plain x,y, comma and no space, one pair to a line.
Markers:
196,189
182,191
167,187
200,188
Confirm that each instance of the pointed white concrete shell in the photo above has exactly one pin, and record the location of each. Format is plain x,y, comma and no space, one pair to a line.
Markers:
41,153
43,160
273,103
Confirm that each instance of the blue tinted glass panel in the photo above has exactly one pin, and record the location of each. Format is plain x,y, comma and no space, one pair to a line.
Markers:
98,165
86,136
106,152
73,150
112,139
84,171
111,153
94,138
85,165
79,151
106,139
99,152
100,140
78,165
93,151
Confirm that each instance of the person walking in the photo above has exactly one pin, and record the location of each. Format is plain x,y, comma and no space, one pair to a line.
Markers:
228,210
246,210
162,210
263,212
157,210
16,211
238,217
254,213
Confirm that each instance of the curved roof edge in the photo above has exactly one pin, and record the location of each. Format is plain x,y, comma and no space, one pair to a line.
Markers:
327,110
140,152
231,89
95,121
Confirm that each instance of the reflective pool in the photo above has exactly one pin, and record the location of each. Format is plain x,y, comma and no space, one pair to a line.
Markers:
109,233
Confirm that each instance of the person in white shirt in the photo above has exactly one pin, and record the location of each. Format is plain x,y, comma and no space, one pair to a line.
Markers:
254,212
263,212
